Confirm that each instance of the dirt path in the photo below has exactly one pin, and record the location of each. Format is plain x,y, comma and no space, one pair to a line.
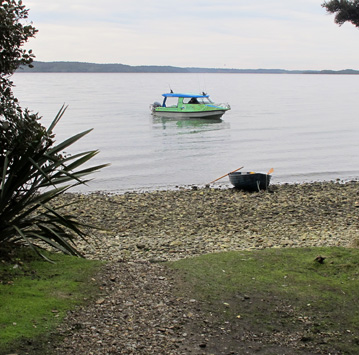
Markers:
140,312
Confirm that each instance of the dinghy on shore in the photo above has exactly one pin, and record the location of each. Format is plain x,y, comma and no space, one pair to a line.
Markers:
249,181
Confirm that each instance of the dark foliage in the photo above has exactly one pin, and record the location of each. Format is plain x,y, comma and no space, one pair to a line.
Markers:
33,169
345,11
14,32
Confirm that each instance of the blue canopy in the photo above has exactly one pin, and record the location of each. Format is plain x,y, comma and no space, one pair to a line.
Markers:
184,95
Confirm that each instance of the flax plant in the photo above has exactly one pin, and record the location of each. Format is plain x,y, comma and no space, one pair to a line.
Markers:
33,173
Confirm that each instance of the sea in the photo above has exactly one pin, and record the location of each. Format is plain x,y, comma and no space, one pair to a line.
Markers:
305,127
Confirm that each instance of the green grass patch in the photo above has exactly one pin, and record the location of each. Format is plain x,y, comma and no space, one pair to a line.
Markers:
35,294
274,290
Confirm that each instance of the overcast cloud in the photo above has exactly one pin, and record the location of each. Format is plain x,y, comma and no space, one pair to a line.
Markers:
288,34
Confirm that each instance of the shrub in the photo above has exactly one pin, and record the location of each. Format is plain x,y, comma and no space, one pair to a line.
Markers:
33,172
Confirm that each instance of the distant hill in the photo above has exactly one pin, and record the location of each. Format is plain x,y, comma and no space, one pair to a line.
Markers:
79,67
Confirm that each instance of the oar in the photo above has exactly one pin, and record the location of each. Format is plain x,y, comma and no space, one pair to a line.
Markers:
270,171
224,176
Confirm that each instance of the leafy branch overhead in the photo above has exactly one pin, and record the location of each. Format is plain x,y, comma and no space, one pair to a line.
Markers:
345,11
33,169
14,33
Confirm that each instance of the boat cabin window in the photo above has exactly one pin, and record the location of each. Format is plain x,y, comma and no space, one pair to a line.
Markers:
197,100
170,102
193,100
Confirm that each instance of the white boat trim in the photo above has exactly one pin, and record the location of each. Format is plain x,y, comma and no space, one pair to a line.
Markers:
204,114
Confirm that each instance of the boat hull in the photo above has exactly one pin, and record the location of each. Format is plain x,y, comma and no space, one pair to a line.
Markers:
183,115
249,181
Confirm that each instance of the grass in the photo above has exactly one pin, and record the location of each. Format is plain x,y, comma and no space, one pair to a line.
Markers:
35,295
274,290
273,293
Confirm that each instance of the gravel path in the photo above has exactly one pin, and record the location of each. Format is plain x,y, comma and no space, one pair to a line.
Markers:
138,312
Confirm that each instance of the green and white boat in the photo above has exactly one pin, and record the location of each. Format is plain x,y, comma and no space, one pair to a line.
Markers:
188,106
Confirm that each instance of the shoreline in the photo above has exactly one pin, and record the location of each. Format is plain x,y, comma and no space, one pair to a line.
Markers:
216,186
172,224
222,185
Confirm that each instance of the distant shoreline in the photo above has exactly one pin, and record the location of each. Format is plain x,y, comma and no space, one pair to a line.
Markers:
81,67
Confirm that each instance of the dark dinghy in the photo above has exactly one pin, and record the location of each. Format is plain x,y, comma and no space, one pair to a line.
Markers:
249,181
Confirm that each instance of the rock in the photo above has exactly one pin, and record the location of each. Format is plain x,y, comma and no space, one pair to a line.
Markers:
320,259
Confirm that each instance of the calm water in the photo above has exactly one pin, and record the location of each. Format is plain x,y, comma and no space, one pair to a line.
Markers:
304,126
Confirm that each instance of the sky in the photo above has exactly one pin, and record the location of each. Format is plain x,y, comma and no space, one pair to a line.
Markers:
242,34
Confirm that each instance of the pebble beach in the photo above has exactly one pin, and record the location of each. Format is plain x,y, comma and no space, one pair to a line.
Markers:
169,225
139,312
